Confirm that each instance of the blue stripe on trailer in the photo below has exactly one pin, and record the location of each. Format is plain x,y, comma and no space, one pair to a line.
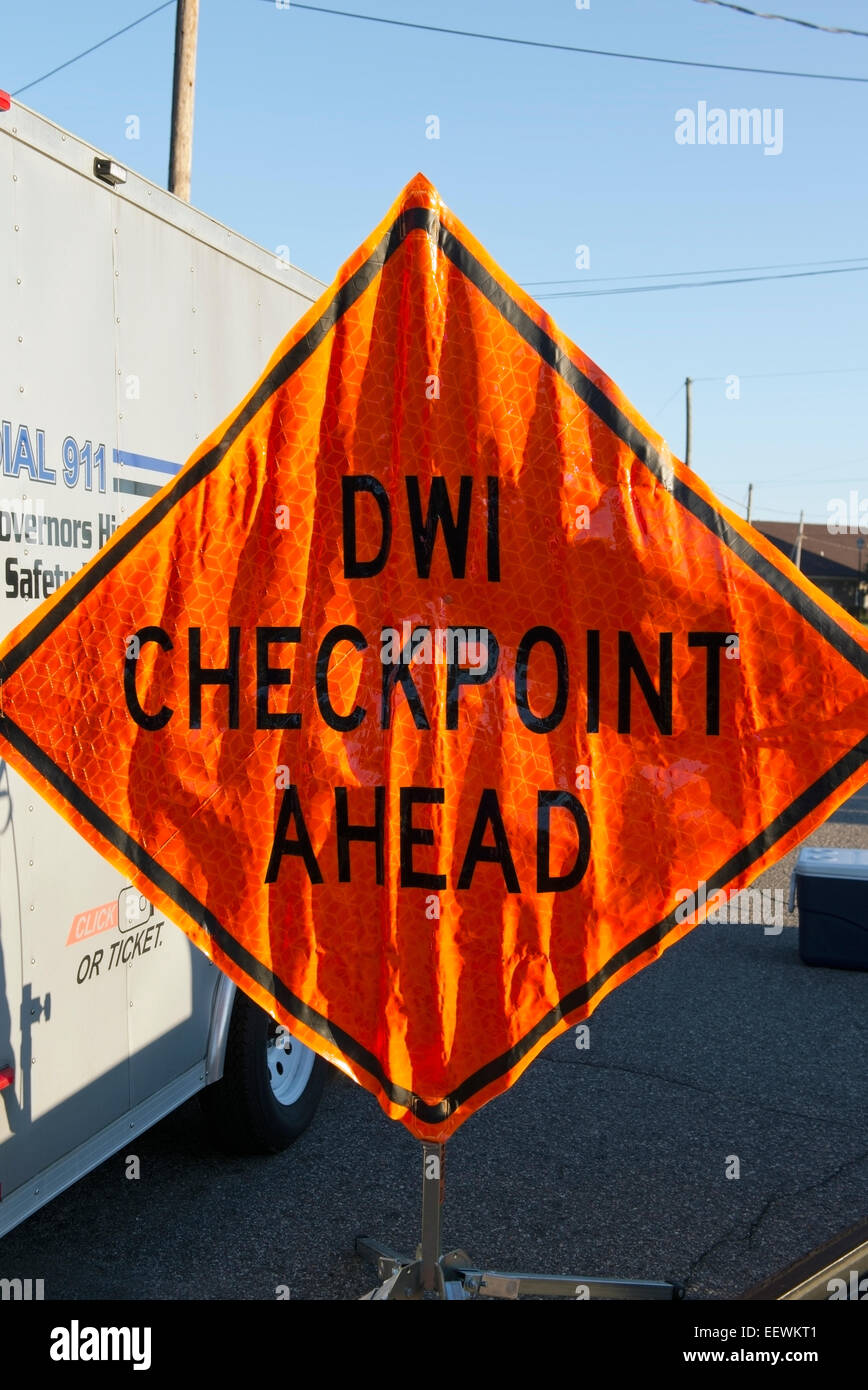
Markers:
136,488
145,461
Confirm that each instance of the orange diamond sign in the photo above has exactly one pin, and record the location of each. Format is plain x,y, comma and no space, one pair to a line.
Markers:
433,690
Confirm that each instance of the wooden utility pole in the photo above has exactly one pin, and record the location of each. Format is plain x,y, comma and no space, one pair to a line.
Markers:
799,539
183,87
688,405
749,499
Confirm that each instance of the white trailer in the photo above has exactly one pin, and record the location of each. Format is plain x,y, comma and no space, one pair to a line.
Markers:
130,325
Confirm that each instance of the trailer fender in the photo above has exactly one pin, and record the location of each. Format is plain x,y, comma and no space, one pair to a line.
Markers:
218,1033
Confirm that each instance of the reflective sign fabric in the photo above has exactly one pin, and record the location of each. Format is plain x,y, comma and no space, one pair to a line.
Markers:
434,698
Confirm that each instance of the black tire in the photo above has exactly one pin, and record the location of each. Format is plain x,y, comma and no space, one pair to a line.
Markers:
244,1109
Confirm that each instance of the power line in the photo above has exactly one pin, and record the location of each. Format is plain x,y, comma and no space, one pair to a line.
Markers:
736,501
679,388
792,519
667,274
69,62
786,19
788,482
492,38
569,48
811,542
698,284
767,376
739,502
819,371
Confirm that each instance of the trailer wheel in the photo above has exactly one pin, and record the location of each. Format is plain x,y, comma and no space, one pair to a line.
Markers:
270,1088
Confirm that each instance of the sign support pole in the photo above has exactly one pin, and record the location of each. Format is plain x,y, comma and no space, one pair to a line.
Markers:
433,1180
432,1275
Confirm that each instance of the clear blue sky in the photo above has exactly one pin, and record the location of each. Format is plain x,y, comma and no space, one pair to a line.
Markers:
308,125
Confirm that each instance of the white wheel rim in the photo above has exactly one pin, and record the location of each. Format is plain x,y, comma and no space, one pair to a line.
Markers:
290,1064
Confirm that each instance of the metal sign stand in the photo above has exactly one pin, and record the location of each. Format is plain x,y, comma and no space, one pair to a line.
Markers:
436,1276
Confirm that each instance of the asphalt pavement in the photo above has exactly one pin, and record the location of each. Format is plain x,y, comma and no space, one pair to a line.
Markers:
615,1161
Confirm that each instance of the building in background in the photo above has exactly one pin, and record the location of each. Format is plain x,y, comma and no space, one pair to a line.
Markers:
836,561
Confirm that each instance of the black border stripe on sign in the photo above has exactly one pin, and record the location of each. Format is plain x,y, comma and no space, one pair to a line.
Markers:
425,219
